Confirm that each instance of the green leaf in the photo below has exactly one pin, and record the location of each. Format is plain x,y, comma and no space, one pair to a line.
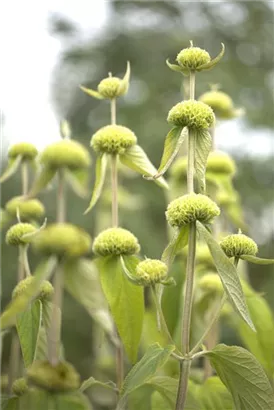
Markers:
77,180
82,282
135,158
177,243
12,167
214,61
100,173
173,142
90,382
44,177
21,302
228,274
257,261
213,395
28,325
145,369
244,377
92,93
47,311
123,87
72,401
129,265
126,303
177,68
203,143
10,403
36,399
42,345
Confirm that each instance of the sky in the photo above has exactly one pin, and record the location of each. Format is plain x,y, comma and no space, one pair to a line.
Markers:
36,52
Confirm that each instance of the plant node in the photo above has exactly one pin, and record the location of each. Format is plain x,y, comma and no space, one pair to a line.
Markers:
116,241
151,271
15,234
237,245
192,58
113,139
191,114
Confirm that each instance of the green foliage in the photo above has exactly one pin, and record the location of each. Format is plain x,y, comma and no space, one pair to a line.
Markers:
203,142
100,172
178,242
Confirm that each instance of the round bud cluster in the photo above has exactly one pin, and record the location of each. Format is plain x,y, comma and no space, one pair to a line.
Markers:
225,199
19,386
211,283
178,170
116,241
27,150
113,139
63,239
191,114
192,58
151,271
15,234
220,163
190,208
29,209
237,245
45,292
220,102
60,378
110,87
66,153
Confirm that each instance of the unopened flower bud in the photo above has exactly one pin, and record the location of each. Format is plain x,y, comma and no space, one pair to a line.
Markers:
191,114
66,154
151,271
237,245
19,386
25,149
116,241
110,87
113,139
221,104
211,283
192,58
45,292
29,209
15,234
220,163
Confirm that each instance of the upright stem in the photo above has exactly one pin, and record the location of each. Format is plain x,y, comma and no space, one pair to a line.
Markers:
25,177
61,199
114,190
113,111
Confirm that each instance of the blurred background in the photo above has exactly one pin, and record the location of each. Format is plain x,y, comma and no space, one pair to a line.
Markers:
50,48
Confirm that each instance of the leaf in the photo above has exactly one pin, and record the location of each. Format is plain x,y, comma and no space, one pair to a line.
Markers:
129,265
177,243
37,399
228,275
177,68
100,173
12,167
244,377
173,142
42,345
21,302
47,313
257,261
43,178
90,382
28,325
213,395
124,84
154,358
71,401
126,303
92,93
9,403
77,181
214,61
82,282
203,143
135,158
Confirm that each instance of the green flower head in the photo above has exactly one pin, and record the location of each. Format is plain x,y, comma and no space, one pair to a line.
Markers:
190,208
29,209
113,139
60,378
211,283
15,234
25,149
220,163
192,58
63,240
45,293
237,245
19,386
151,271
221,104
116,241
66,154
191,114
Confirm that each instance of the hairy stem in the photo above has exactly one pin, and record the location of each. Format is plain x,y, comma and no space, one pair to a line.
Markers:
114,190
113,111
61,199
25,177
23,250
183,383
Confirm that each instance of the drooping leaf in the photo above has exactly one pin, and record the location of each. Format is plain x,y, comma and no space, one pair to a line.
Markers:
44,177
28,325
12,167
92,93
124,84
135,158
90,382
82,282
257,261
203,142
100,173
173,142
129,265
126,302
177,243
21,302
77,180
228,275
244,377
213,395
214,61
177,68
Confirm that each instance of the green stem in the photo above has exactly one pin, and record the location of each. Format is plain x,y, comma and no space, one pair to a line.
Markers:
113,111
25,177
61,199
183,383
114,190
24,259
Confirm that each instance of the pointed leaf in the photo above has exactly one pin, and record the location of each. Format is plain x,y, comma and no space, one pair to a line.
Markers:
177,68
28,325
12,167
28,237
135,158
257,261
228,275
65,129
123,87
82,282
214,61
177,243
129,265
47,312
42,345
213,395
43,178
244,377
92,93
100,173
93,382
21,302
77,181
126,303
203,143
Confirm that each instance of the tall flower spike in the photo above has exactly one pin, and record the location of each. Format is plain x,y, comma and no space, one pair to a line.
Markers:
222,104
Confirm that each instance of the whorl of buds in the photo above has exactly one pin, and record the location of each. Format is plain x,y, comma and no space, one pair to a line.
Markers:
66,154
151,271
116,241
191,114
221,104
15,234
19,386
190,208
45,292
25,149
211,283
60,378
113,139
237,245
63,239
111,87
220,163
29,209
193,57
